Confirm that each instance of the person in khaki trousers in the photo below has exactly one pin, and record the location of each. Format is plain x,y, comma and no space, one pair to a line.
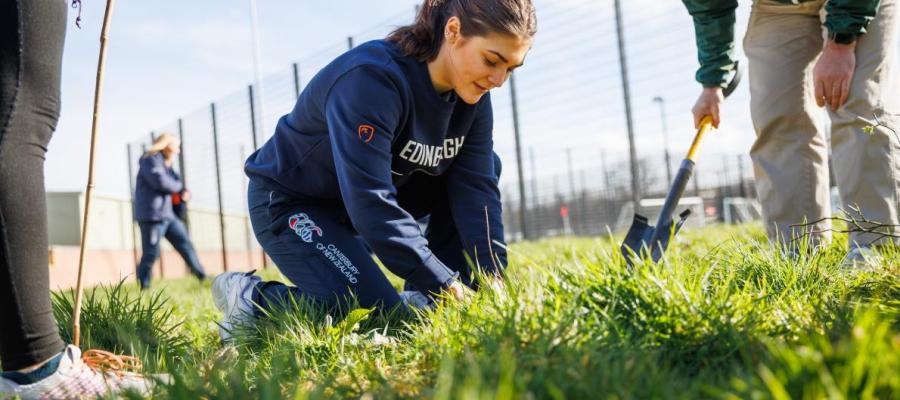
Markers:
840,55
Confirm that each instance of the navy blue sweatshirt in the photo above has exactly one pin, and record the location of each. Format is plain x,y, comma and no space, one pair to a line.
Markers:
361,127
153,189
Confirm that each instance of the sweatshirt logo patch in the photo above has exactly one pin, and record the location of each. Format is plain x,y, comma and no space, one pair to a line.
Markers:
304,227
366,133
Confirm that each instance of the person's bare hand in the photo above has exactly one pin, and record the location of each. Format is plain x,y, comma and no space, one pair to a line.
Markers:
186,195
833,73
458,291
708,104
497,287
496,283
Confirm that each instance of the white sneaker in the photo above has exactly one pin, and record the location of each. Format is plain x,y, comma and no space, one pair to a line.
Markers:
233,294
74,379
417,299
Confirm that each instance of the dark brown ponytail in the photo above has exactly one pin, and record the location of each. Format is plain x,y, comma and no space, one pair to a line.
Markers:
423,39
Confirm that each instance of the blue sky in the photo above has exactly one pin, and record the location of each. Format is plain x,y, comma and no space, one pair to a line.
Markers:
169,59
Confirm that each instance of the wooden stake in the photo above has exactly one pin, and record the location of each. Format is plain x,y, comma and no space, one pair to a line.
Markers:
98,89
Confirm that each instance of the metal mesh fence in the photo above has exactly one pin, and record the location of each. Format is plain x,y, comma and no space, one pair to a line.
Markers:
571,119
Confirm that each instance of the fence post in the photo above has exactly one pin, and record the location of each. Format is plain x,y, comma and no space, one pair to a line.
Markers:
535,204
573,198
515,116
582,207
607,183
296,79
182,169
215,131
252,116
572,188
248,242
727,176
632,151
265,262
181,153
741,181
131,194
257,65
557,202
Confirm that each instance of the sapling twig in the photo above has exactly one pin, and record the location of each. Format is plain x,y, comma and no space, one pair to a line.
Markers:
98,89
858,222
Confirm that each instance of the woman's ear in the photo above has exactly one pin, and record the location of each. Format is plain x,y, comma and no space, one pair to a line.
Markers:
452,30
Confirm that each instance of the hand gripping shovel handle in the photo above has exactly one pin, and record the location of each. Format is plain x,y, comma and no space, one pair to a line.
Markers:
681,180
687,165
655,239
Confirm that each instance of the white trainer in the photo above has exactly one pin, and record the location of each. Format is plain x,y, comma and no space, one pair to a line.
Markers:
74,379
417,299
233,294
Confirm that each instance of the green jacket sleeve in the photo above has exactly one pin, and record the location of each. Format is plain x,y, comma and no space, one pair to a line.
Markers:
850,16
714,29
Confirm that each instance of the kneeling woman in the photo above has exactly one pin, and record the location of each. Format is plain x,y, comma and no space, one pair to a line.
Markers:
390,132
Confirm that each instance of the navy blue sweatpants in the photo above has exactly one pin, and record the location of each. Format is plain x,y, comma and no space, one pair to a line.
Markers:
315,246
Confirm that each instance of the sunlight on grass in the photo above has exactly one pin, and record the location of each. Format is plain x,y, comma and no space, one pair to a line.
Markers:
722,316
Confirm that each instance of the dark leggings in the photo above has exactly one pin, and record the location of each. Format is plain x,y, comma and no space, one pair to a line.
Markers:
31,43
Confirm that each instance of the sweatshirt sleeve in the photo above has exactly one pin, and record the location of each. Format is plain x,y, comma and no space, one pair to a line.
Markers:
154,171
850,16
474,194
714,31
362,110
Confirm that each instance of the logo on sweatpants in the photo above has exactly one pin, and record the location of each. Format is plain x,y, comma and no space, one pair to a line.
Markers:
304,227
340,261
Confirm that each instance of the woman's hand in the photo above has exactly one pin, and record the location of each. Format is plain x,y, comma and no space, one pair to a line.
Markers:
458,291
496,283
185,195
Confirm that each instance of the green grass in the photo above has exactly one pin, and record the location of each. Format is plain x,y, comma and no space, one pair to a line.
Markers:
723,316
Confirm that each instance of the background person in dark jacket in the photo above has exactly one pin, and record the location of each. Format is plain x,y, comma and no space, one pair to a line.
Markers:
391,131
156,181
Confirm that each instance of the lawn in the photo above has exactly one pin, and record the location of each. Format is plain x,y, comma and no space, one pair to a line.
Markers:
723,316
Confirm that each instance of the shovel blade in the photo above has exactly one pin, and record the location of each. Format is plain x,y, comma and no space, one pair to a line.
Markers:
636,239
643,238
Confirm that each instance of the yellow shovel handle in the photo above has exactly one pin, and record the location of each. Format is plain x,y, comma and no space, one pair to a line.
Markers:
705,126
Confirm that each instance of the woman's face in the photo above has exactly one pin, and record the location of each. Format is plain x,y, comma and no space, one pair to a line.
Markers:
477,64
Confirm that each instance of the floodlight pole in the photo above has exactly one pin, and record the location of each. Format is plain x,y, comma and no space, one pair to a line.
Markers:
665,131
257,65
